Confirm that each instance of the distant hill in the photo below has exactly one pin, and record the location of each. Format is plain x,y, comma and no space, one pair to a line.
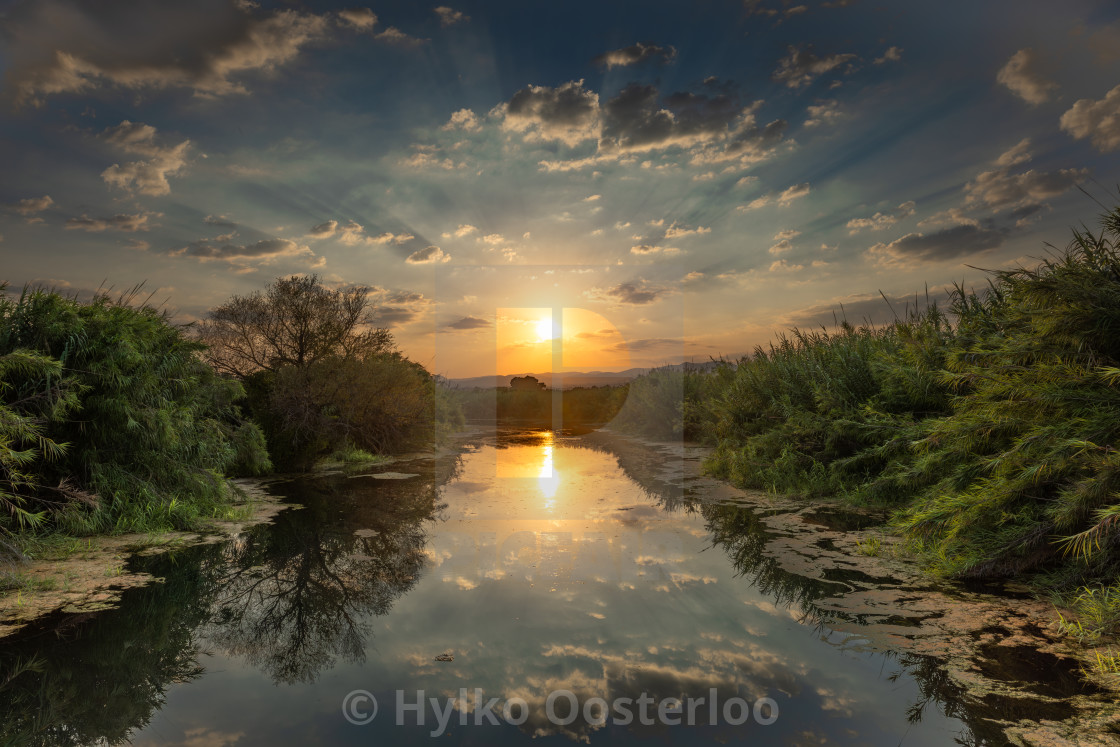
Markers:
568,380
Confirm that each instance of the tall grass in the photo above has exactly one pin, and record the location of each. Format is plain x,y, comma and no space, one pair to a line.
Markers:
113,405
990,424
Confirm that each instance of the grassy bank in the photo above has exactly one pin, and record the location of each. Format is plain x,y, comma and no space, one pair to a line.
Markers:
989,425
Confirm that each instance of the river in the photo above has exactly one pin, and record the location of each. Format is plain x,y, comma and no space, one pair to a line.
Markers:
528,574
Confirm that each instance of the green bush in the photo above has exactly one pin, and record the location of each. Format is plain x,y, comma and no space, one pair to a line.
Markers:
137,419
992,427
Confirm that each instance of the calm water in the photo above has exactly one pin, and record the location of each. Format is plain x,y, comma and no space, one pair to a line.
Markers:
537,563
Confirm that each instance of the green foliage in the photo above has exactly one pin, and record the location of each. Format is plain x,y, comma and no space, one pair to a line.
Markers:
822,413
992,427
1097,612
383,403
111,400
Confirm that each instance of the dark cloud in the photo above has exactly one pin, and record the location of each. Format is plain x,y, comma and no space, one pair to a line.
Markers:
568,113
950,243
635,54
999,189
469,322
802,66
634,293
69,46
755,141
389,316
637,119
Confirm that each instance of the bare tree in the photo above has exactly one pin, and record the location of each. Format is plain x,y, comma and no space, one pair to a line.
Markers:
295,321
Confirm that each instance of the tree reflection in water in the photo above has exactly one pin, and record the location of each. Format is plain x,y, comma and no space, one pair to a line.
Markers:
291,598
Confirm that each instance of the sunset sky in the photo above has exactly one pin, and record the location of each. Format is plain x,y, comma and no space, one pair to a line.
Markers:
684,179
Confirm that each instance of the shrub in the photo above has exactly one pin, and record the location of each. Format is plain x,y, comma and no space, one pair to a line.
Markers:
147,426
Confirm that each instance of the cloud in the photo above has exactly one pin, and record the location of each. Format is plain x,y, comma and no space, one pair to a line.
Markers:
323,230
1023,80
782,265
70,46
1097,120
209,249
450,17
635,54
464,119
796,192
149,175
363,19
636,120
353,233
676,231
950,243
714,127
396,307
788,233
893,54
469,322
999,188
633,293
394,35
428,256
219,221
783,246
646,249
1019,153
121,222
881,221
31,205
568,113
823,113
802,66
755,204
464,230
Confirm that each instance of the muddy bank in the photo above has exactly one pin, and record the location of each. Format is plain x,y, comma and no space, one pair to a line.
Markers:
87,574
998,650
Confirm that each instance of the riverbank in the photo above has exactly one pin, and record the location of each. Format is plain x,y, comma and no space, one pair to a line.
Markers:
1000,649
88,574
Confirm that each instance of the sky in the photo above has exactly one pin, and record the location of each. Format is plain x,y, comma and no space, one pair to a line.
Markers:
528,187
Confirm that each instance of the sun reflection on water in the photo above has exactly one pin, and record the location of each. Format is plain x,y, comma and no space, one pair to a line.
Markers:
548,478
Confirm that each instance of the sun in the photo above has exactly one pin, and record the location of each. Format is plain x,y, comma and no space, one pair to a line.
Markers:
545,330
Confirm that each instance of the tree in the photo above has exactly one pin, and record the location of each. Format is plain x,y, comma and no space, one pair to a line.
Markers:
296,321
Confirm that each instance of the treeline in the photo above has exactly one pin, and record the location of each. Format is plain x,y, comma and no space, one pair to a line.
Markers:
112,418
991,425
581,406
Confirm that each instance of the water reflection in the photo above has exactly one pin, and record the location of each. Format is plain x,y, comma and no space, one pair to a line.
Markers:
540,563
291,599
